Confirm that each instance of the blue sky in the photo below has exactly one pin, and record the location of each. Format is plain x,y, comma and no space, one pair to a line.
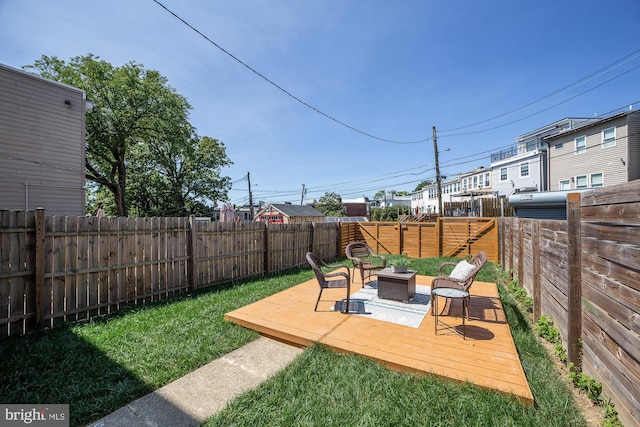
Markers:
482,73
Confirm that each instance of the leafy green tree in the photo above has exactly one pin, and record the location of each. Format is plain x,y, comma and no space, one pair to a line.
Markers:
379,195
330,204
390,213
137,127
424,183
184,176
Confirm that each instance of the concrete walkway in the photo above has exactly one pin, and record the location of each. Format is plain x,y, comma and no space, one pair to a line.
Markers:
194,398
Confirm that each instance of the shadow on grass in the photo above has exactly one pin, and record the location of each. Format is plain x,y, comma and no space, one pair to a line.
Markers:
100,365
33,369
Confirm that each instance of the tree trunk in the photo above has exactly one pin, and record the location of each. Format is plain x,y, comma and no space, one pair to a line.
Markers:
120,195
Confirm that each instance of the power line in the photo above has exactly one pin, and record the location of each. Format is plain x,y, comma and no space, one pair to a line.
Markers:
449,164
280,88
591,76
293,192
546,109
604,70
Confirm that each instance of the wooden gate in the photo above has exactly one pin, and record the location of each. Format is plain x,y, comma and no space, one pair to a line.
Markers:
466,236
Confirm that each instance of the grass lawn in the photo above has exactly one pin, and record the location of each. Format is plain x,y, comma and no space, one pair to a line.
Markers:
101,365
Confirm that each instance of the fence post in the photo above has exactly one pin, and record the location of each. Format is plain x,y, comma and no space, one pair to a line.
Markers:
40,263
574,291
191,253
312,236
266,249
439,235
512,227
520,252
535,241
500,242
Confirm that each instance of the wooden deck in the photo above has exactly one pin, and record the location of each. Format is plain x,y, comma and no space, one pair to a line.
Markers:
487,358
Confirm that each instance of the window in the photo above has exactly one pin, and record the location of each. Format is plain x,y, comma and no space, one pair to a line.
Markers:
565,185
581,181
487,179
597,180
581,145
609,137
558,146
503,174
524,169
475,181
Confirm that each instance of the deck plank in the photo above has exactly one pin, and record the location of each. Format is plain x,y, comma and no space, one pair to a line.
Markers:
487,358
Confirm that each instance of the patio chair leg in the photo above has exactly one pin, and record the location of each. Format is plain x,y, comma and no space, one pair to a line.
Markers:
432,303
467,300
318,300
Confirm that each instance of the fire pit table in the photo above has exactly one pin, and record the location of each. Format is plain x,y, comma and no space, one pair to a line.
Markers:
396,286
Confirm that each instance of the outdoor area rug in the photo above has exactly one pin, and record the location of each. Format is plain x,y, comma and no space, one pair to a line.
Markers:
365,302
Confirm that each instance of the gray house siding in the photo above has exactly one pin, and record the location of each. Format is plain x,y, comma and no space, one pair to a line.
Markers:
514,179
614,163
42,131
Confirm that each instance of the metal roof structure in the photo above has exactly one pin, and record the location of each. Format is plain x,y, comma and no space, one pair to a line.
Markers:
345,219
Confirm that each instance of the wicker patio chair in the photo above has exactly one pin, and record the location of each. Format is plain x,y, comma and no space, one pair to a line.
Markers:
364,259
462,281
332,279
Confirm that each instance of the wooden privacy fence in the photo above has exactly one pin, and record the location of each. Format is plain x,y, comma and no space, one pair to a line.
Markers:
585,274
55,269
455,237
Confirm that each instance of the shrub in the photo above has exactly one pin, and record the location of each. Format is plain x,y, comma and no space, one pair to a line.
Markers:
589,385
546,330
561,352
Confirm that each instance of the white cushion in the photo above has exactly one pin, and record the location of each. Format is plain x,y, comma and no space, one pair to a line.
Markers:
462,270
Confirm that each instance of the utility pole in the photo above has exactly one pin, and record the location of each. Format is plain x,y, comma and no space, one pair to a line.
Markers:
304,191
250,198
438,178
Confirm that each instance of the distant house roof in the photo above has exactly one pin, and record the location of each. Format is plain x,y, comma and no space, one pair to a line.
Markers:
592,123
292,210
362,199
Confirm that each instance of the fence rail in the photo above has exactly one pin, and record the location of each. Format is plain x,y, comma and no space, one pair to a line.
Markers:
456,237
585,274
56,269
